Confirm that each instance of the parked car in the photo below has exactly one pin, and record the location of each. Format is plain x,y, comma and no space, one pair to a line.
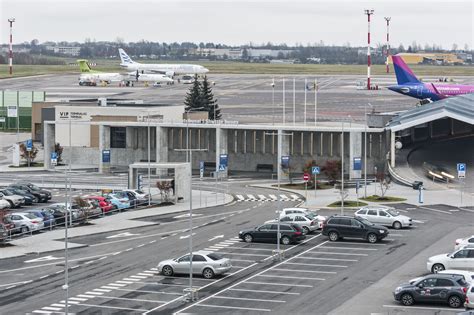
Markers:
384,216
467,275
337,227
132,198
469,302
433,288
118,201
460,242
48,218
303,211
103,203
307,223
25,222
3,234
290,233
140,195
58,213
8,225
29,198
207,264
459,259
14,200
4,204
41,195
71,209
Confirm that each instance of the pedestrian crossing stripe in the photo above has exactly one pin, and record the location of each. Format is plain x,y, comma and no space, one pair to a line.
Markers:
265,198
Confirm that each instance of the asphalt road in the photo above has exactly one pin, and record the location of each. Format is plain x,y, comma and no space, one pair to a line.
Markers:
247,98
115,273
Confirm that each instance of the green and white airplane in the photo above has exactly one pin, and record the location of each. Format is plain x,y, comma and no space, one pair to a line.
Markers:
92,77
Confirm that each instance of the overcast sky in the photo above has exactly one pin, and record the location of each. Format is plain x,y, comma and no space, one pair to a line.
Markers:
235,22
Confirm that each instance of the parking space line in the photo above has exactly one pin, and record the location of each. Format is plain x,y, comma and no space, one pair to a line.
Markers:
279,284
107,287
102,290
348,254
435,210
113,307
153,292
235,308
41,312
169,284
134,278
291,277
265,291
124,282
246,299
330,259
247,248
243,254
127,299
351,248
243,260
78,299
59,305
94,293
49,308
307,271
70,302
317,265
85,296
116,285
422,308
358,243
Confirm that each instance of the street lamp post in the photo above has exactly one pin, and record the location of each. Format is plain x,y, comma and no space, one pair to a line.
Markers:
365,150
149,167
342,170
273,101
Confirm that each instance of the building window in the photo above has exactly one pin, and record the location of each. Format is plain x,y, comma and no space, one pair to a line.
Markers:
118,137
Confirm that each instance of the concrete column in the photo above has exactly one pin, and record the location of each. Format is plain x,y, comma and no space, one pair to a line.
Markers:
221,144
283,150
392,149
161,148
355,151
49,137
181,181
104,144
132,178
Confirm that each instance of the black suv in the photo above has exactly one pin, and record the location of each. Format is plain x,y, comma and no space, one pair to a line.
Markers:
438,288
41,195
290,233
337,227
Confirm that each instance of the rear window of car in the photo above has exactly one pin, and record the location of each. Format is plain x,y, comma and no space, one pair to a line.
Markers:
296,227
215,256
362,212
345,221
334,221
30,216
461,282
285,227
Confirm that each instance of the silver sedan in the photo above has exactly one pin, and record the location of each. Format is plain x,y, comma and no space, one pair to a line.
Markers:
207,264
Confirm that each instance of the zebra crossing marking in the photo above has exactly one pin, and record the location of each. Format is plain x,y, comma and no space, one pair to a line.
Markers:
269,198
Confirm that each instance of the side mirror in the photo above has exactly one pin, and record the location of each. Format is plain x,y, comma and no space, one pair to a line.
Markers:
420,285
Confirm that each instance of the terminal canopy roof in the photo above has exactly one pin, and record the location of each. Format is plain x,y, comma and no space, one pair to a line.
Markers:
458,107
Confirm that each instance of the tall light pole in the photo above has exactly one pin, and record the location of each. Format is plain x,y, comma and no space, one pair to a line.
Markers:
305,88
10,58
387,52
368,13
273,101
294,101
315,101
284,101
342,170
149,166
365,150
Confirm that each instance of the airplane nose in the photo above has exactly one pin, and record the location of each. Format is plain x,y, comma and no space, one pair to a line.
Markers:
205,70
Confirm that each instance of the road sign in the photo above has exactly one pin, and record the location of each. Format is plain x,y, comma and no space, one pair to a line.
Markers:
306,177
201,169
285,162
29,145
221,168
223,160
105,156
12,111
315,170
357,164
54,158
461,170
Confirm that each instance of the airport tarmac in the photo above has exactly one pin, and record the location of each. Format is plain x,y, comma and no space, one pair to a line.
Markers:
247,98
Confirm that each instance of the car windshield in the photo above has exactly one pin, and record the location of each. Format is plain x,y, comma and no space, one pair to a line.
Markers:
7,192
138,191
310,216
34,187
30,216
215,256
393,212
366,222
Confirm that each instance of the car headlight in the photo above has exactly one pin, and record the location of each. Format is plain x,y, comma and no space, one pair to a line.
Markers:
240,232
381,231
398,290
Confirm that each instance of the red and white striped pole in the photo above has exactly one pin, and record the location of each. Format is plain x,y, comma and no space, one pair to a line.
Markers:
387,18
10,59
368,13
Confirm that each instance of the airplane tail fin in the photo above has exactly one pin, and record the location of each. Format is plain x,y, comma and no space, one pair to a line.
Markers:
124,57
84,66
403,72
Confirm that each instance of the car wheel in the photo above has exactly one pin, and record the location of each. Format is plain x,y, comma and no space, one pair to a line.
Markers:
454,301
437,268
24,229
407,299
37,200
372,238
208,273
306,230
11,204
248,238
167,271
285,240
333,236
397,225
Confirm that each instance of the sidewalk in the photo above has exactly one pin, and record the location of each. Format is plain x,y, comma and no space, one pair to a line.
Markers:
45,242
323,197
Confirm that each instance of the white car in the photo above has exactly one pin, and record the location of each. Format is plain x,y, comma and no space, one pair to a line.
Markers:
461,242
207,264
386,216
467,275
4,204
306,212
469,303
26,222
459,259
141,196
307,222
14,200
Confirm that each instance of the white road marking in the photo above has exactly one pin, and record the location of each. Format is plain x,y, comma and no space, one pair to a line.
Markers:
331,253
265,291
247,299
330,259
102,290
185,236
78,299
216,237
116,285
137,277
113,307
127,299
308,271
15,283
295,197
435,210
153,292
317,265
125,282
252,197
125,234
248,248
240,197
49,308
279,284
354,248
147,273
290,277
262,197
70,302
41,259
94,293
422,308
418,221
243,254
243,260
274,198
284,197
58,305
86,296
41,312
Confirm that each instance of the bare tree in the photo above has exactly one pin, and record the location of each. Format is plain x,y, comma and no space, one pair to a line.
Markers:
384,182
165,190
84,207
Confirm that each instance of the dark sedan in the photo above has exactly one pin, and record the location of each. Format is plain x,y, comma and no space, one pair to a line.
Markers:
290,233
40,194
437,288
29,198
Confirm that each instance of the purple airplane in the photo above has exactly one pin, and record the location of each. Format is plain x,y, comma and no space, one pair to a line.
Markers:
409,85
